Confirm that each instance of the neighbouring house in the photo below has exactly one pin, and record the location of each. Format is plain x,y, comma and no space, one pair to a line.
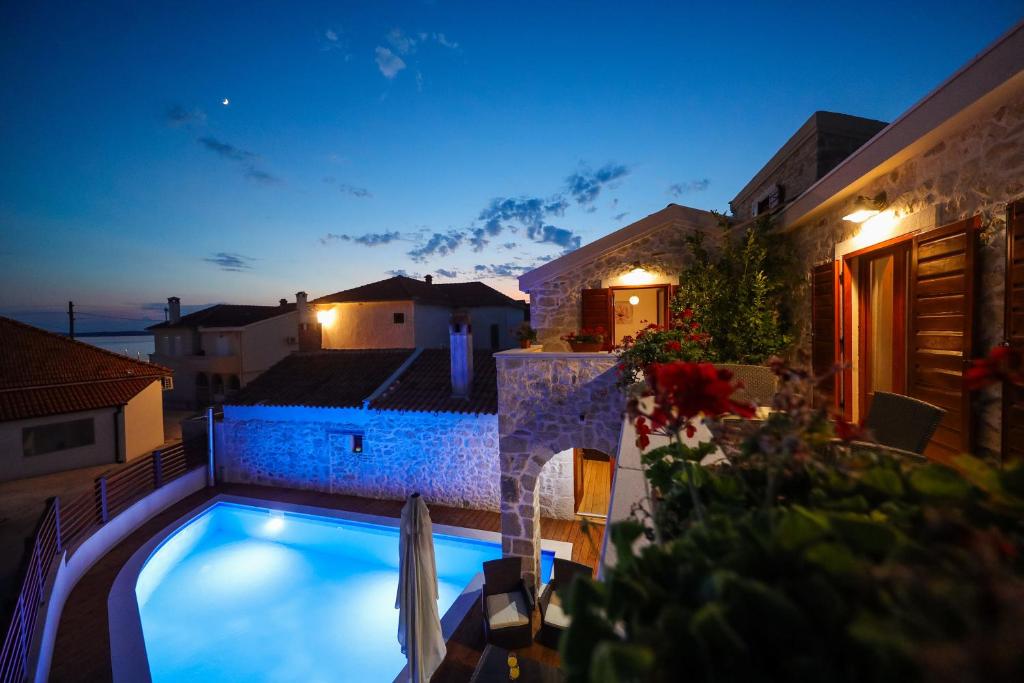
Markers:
404,313
381,423
65,404
218,350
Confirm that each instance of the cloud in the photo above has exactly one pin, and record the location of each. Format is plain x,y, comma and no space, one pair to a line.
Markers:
226,150
360,192
177,116
560,236
388,62
500,270
229,261
402,272
679,189
585,186
510,245
439,244
444,272
402,43
370,239
620,216
443,40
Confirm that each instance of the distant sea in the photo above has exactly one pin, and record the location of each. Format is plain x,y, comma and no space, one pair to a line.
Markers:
133,346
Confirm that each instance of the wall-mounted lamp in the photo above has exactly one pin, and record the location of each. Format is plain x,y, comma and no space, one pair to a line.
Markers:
866,207
325,316
637,276
634,300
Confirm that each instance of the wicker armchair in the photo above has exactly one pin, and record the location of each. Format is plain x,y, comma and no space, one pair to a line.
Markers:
553,619
507,604
759,382
901,425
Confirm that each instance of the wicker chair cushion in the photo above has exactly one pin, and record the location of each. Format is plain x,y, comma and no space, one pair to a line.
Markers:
902,422
554,614
759,382
507,609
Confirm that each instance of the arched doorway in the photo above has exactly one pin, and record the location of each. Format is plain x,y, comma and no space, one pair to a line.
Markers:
548,403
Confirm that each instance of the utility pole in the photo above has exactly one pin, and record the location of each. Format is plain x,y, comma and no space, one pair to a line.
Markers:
71,319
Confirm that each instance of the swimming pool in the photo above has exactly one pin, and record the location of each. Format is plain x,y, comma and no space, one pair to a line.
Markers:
244,593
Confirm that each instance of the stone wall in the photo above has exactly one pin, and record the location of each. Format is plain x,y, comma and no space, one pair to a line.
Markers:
451,459
548,403
975,170
555,304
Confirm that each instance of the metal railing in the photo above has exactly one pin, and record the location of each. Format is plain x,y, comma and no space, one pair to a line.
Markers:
64,527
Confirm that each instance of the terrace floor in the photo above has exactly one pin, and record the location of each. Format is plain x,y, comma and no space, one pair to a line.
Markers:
82,649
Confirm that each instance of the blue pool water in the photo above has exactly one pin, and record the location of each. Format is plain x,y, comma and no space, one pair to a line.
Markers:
248,594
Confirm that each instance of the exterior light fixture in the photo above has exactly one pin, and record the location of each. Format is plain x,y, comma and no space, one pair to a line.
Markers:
867,207
637,276
325,317
634,300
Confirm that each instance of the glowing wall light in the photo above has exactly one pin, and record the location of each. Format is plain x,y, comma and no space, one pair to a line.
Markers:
866,207
878,228
325,317
637,276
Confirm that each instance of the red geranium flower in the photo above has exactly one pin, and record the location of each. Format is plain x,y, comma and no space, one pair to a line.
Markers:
1003,363
848,431
682,391
673,346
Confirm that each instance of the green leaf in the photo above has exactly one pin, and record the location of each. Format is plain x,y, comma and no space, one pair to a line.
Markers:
936,481
711,626
864,534
883,480
617,662
798,527
834,558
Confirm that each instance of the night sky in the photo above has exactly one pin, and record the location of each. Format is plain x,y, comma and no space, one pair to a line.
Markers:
468,140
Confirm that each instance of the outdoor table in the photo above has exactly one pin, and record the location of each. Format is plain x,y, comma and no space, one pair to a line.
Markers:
493,668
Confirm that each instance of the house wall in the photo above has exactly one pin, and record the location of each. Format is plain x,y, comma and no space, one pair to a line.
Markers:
555,304
144,421
14,465
266,342
431,326
451,459
370,325
975,170
507,318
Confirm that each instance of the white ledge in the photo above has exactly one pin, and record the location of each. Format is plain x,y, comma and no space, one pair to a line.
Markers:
537,353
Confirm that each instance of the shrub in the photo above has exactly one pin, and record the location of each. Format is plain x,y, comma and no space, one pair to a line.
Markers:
680,340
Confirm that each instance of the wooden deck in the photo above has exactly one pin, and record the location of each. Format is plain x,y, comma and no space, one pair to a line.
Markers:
82,649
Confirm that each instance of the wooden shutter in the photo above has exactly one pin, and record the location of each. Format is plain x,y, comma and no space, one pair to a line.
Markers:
941,322
597,312
1013,396
823,327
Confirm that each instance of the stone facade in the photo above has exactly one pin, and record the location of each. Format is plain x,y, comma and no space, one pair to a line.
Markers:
451,459
555,304
976,170
548,403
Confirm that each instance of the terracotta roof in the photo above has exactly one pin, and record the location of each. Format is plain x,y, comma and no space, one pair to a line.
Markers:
401,288
227,315
326,379
426,386
42,373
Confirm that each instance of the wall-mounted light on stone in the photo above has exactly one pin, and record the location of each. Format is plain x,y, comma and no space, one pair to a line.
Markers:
325,317
637,276
866,207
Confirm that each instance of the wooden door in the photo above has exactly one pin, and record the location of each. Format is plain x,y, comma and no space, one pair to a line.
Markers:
1013,396
882,314
824,355
597,312
577,478
942,282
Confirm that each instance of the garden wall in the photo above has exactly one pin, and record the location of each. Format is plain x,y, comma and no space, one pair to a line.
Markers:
451,459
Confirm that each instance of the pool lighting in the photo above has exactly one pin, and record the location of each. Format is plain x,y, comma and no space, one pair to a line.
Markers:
275,524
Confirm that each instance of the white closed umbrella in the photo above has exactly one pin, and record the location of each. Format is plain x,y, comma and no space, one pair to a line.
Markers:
419,626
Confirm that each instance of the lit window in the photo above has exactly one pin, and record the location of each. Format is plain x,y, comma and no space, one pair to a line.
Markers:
399,318
357,443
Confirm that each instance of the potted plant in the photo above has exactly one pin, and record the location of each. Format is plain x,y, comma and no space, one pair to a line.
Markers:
586,340
525,334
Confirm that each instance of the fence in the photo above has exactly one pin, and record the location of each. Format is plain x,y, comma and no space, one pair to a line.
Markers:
64,526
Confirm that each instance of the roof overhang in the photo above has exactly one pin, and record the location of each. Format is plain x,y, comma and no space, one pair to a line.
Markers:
990,77
673,214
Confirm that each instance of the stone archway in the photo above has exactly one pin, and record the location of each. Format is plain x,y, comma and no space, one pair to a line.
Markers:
547,403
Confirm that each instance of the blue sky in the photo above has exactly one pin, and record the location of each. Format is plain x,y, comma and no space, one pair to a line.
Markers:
468,140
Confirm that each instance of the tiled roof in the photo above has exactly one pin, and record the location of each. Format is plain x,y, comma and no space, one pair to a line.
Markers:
42,373
326,379
426,386
228,315
401,288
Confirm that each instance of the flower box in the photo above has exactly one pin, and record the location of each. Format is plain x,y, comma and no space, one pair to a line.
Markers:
586,347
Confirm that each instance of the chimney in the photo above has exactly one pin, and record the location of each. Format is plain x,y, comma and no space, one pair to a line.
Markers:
429,279
174,309
310,338
461,349
282,302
